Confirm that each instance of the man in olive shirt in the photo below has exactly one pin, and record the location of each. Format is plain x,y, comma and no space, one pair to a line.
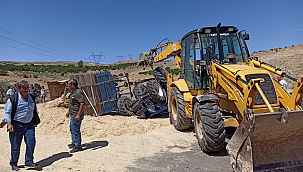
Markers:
75,113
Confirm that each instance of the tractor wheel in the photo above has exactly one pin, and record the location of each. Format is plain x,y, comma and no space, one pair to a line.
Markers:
160,75
137,105
139,90
177,111
156,92
123,106
209,126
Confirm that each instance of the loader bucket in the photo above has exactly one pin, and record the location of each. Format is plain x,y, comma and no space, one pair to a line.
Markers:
268,142
145,59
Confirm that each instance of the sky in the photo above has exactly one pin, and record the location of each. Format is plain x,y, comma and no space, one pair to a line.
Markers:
103,31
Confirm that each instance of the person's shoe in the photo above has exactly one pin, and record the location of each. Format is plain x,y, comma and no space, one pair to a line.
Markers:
33,165
76,149
15,168
71,145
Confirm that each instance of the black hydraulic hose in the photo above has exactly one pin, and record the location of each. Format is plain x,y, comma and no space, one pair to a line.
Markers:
290,77
219,43
242,80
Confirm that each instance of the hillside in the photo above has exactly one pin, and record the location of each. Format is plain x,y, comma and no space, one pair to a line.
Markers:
288,59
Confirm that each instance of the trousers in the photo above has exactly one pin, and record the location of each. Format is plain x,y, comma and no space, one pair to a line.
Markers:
28,132
75,130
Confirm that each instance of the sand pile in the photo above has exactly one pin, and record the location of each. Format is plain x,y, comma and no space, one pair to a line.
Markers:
53,122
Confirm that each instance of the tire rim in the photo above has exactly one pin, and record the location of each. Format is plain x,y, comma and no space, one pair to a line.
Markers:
198,125
174,107
160,92
126,103
159,89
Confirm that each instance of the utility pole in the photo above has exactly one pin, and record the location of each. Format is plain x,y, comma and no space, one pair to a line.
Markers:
119,57
130,56
96,57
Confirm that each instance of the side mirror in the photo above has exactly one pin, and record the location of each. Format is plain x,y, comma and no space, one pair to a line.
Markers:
246,36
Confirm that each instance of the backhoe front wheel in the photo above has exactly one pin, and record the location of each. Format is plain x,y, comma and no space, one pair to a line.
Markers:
177,113
209,126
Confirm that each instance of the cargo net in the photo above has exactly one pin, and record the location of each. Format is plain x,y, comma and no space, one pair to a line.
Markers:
267,88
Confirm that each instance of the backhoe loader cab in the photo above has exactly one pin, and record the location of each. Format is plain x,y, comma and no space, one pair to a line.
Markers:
204,45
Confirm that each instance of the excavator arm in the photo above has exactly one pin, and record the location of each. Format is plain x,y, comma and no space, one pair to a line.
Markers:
160,53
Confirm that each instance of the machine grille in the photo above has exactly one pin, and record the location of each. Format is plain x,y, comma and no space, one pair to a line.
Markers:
267,87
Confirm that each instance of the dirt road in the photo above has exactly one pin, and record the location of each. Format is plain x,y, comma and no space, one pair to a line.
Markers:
161,148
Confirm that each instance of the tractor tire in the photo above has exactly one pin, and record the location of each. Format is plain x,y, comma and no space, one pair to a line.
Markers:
139,90
177,111
123,106
209,126
156,93
160,75
137,105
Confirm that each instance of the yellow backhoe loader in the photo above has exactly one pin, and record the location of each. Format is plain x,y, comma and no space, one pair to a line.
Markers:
222,88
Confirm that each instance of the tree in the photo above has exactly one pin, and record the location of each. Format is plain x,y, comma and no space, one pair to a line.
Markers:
80,64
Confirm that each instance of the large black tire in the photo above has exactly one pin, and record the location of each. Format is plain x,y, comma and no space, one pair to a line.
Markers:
139,90
156,93
209,126
138,108
160,75
177,111
123,104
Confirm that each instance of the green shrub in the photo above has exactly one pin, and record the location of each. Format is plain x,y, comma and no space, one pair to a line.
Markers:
3,72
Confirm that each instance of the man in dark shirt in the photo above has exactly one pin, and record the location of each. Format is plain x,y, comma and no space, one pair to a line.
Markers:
75,113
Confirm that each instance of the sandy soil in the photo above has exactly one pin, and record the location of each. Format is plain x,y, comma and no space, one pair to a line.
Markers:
112,143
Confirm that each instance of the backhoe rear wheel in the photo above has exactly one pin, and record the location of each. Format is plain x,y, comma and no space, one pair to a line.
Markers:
209,126
177,111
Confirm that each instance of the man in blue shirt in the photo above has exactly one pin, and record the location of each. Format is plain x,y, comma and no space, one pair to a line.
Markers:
21,126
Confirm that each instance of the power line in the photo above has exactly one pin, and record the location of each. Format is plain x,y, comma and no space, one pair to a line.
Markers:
85,21
43,54
64,30
29,45
31,51
278,34
34,43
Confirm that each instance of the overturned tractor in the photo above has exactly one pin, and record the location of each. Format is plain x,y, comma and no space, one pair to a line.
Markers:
150,99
